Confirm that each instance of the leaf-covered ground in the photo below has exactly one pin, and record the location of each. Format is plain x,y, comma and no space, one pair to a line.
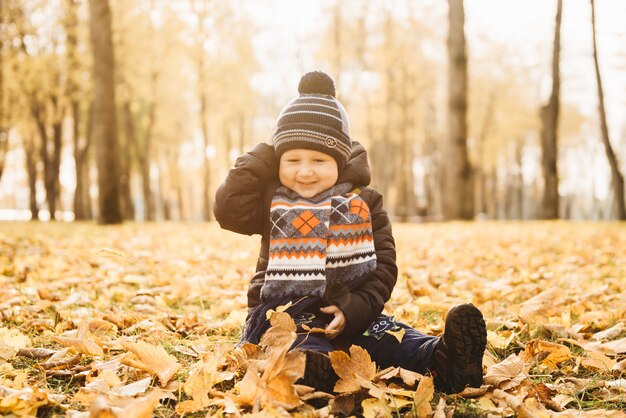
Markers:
141,320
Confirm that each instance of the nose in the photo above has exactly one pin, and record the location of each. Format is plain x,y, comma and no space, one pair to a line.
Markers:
305,170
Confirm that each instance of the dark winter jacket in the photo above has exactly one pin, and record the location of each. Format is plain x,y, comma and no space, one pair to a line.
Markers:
242,205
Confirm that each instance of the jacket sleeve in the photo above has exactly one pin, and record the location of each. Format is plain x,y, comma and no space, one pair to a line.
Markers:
363,304
239,202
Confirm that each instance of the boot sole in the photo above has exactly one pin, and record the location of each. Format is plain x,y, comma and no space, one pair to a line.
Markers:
319,372
466,345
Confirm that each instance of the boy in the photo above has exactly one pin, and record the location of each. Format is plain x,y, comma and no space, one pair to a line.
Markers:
327,247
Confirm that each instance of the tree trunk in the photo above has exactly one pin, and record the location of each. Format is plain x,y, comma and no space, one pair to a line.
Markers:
616,174
519,154
549,131
458,189
44,155
31,170
145,153
204,128
406,198
82,202
480,180
130,143
104,123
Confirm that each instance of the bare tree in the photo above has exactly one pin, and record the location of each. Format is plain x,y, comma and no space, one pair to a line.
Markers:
203,112
458,189
549,130
616,174
74,91
104,122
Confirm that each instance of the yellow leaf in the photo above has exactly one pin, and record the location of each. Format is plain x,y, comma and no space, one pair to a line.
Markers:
398,334
150,358
541,307
281,335
423,395
12,341
553,354
498,340
409,377
88,347
507,374
202,379
348,368
281,308
598,361
374,408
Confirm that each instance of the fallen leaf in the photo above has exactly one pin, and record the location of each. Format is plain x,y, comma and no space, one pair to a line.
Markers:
540,307
507,374
374,408
204,376
150,358
516,404
399,335
597,361
132,389
607,334
12,341
281,335
36,353
349,367
440,411
556,353
83,346
500,340
423,395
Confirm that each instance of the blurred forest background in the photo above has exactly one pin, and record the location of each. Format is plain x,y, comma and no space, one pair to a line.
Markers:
135,109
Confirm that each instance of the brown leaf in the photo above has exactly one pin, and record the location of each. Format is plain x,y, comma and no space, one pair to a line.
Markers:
541,307
410,378
343,404
276,386
470,392
552,354
374,408
516,404
202,379
36,353
61,364
423,395
507,374
281,335
598,361
348,368
83,346
150,358
440,411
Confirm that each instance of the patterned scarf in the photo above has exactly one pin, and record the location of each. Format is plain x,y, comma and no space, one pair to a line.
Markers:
318,242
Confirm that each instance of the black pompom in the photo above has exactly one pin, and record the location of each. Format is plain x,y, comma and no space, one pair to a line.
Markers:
316,82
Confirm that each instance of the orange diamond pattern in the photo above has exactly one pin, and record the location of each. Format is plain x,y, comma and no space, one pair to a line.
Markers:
359,207
305,222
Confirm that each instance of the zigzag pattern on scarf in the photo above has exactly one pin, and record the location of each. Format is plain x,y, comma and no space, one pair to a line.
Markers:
317,242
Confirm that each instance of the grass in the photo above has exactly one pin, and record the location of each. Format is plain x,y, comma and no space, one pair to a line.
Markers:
205,272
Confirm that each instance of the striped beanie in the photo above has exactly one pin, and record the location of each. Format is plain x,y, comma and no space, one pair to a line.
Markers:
314,120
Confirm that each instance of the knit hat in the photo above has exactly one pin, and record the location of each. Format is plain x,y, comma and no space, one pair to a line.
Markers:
314,120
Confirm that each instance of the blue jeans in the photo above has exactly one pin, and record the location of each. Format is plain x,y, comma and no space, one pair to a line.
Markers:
413,353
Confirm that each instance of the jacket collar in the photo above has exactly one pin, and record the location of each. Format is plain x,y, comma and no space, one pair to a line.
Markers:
357,170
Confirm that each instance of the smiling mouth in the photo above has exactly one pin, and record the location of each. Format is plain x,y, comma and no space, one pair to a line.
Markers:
306,183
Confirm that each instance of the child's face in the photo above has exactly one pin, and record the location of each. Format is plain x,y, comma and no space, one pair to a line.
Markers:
307,172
